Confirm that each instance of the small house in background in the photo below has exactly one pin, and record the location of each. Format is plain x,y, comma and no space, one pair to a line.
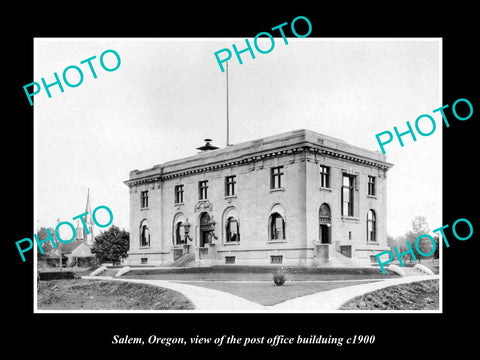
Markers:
51,259
82,256
78,251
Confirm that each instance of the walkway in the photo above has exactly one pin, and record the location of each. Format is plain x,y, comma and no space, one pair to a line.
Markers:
207,300
331,300
210,300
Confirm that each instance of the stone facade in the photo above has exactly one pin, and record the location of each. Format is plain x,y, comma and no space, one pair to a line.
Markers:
266,202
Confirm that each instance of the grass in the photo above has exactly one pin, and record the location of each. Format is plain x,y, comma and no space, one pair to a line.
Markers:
256,274
81,294
268,294
261,289
422,295
77,270
433,264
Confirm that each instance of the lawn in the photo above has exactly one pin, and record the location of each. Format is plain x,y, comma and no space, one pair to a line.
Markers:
422,295
255,283
78,294
267,293
247,273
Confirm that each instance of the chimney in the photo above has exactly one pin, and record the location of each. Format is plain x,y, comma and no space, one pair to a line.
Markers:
207,146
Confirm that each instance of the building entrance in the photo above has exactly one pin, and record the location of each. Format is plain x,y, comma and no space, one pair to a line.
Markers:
324,234
205,229
324,219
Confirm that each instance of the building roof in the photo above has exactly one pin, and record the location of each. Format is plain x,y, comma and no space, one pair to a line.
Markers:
286,143
82,250
67,248
53,254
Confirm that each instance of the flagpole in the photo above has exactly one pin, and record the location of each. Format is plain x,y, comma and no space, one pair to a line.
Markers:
228,122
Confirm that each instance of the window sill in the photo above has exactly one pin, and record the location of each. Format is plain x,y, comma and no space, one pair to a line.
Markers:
350,218
371,197
231,243
178,204
373,243
207,246
276,241
277,189
324,189
144,247
144,208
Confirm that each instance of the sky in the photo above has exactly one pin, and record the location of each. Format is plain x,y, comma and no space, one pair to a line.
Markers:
169,94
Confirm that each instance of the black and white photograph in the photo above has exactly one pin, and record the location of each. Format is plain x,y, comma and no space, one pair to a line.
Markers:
253,186
264,183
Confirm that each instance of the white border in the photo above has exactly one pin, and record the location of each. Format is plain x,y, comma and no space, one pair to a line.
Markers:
36,310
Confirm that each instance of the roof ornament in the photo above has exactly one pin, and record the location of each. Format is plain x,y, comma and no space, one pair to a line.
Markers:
207,146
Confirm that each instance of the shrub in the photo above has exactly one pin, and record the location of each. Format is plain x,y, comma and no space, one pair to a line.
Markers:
279,276
397,269
122,271
56,275
423,269
99,271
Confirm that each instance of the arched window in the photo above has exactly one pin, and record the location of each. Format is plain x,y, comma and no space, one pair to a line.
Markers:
276,227
371,226
230,225
178,229
325,214
144,234
232,230
179,234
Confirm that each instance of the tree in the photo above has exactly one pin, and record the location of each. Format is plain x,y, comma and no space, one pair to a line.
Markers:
436,254
419,227
391,241
400,242
47,245
111,245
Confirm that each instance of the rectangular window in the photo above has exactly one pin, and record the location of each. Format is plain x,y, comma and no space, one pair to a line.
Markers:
202,190
276,175
371,185
144,199
229,259
347,195
230,185
143,260
324,176
178,194
276,259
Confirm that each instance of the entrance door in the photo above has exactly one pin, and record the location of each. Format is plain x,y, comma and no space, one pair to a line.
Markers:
324,234
203,238
204,229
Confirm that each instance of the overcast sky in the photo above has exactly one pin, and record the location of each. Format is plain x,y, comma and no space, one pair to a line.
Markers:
169,94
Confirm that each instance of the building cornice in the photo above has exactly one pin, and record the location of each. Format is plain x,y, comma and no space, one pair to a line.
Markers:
163,174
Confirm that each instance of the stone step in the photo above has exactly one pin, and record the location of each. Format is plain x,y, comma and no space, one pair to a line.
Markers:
184,260
336,258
